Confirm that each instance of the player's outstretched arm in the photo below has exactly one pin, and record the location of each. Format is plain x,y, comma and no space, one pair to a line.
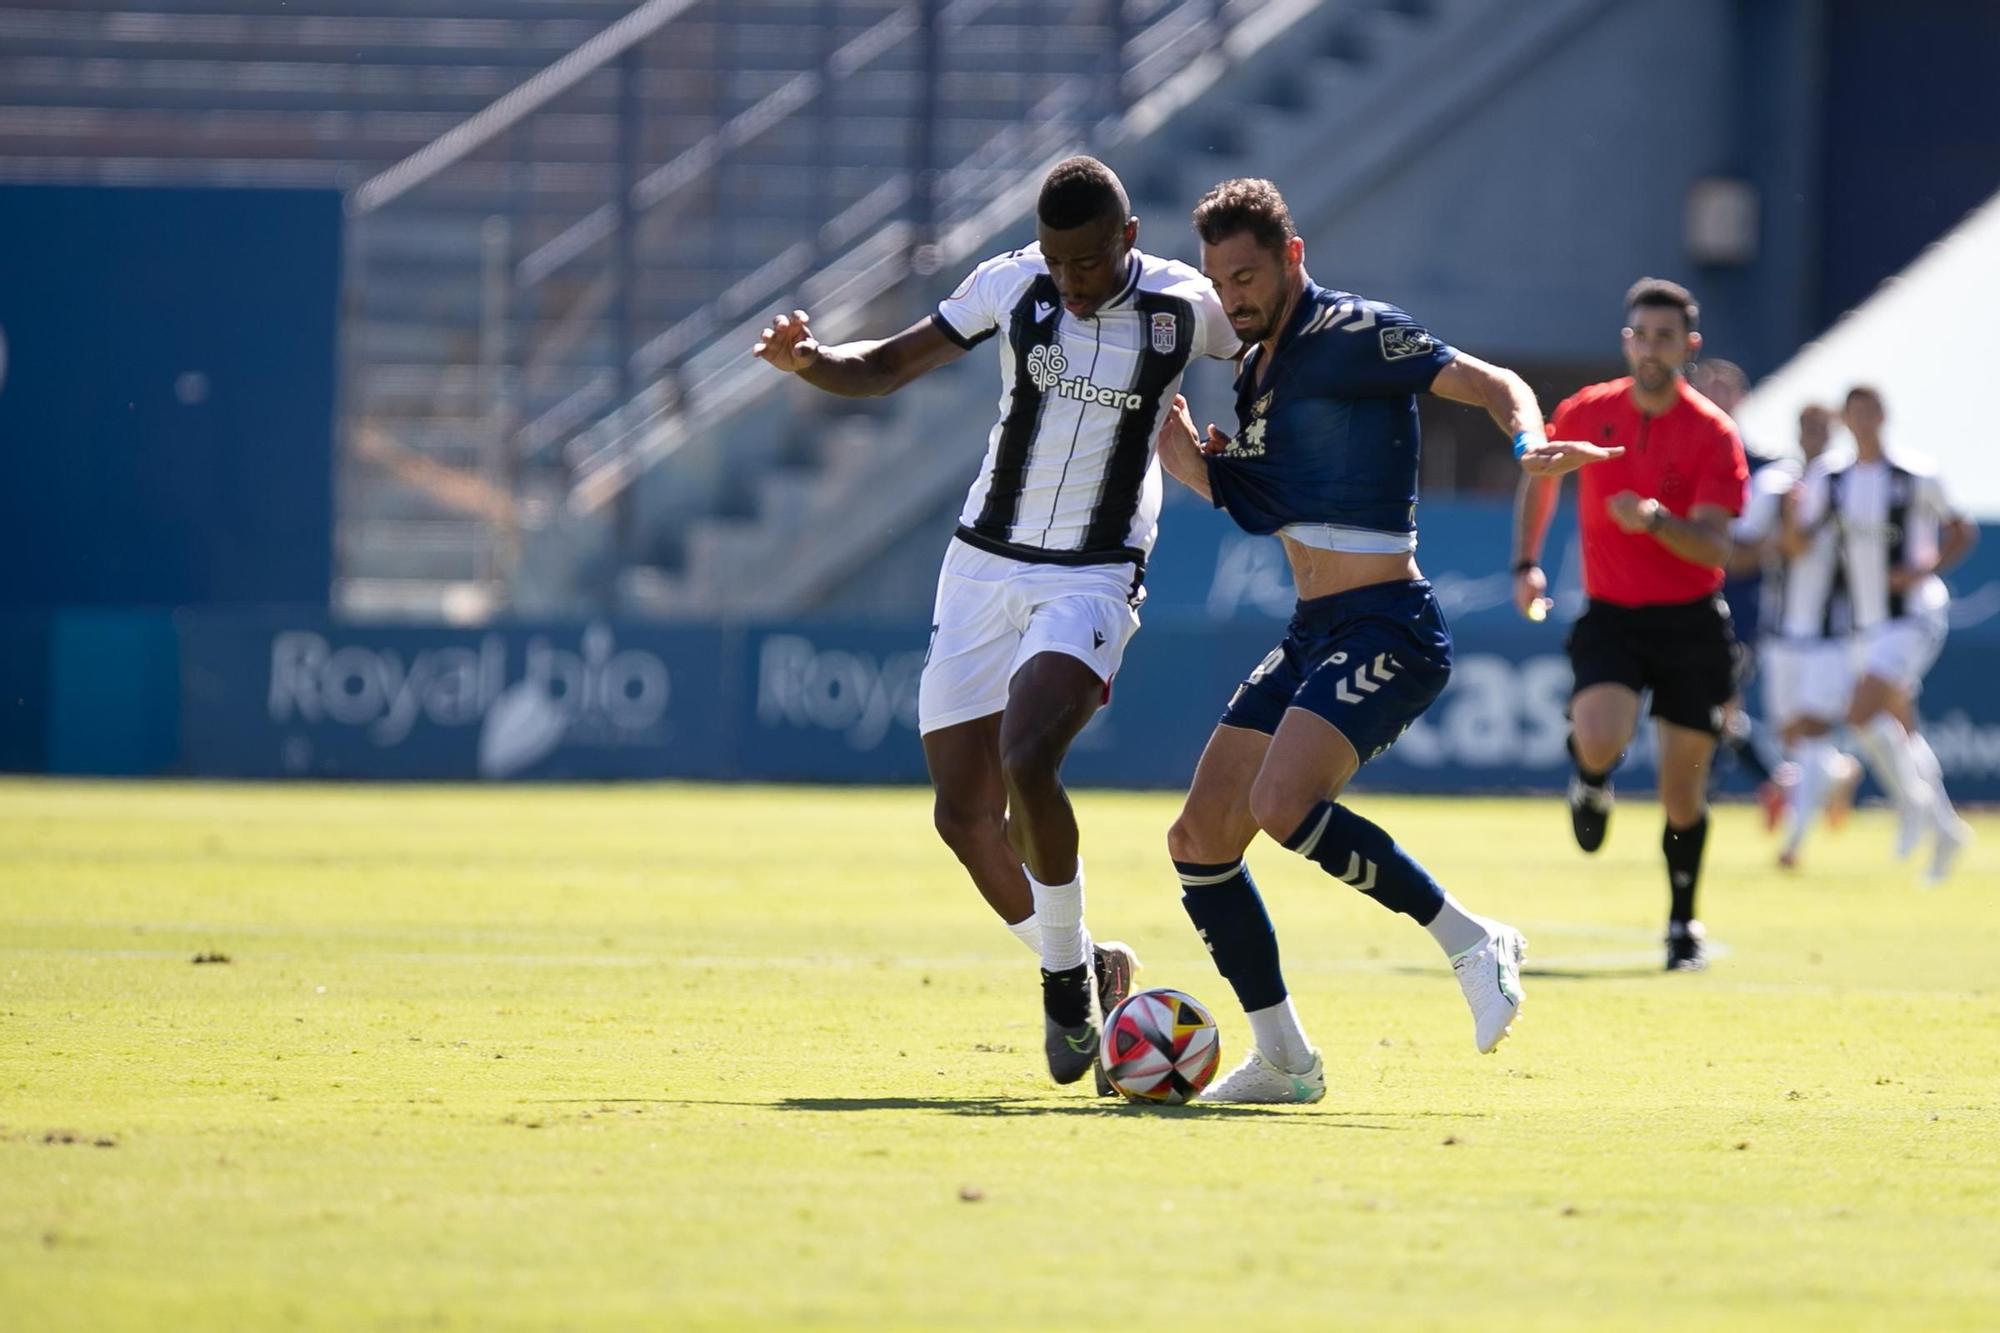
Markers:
858,369
1511,403
1182,452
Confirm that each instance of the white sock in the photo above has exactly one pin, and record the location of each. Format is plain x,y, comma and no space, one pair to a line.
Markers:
1028,930
1817,761
1932,772
1887,746
1279,1037
1059,908
1456,929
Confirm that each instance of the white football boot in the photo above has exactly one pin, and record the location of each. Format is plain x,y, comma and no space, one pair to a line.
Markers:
1952,838
1490,975
1258,1082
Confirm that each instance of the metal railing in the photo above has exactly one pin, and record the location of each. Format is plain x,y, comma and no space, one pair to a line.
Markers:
574,377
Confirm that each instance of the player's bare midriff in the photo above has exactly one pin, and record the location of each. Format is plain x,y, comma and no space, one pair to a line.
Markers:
1318,573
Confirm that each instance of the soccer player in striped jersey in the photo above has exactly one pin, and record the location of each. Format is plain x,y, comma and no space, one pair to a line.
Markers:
1041,585
1804,654
1896,531
1325,456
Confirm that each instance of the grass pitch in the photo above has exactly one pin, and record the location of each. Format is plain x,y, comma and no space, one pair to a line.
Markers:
694,1057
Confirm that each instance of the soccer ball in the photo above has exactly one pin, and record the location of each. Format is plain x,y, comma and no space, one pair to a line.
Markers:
1160,1046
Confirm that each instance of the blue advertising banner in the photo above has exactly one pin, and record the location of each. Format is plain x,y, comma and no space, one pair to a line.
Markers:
299,696
266,694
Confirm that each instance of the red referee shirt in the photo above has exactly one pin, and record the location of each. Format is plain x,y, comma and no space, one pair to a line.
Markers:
1690,455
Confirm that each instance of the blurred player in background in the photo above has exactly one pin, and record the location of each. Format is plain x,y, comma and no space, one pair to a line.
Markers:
1805,651
1041,584
1896,531
1747,592
1655,531
1325,456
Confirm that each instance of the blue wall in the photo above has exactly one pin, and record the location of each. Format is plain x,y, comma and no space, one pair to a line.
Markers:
167,395
271,694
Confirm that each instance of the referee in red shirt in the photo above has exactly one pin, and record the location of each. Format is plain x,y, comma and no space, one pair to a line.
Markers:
1655,529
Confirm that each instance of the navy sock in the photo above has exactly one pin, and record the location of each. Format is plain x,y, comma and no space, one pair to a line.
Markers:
1229,915
1359,853
1683,847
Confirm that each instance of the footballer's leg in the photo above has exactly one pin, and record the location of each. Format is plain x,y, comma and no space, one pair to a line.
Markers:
970,813
1685,756
1052,697
1602,718
1886,741
1387,660
1207,843
960,698
1295,800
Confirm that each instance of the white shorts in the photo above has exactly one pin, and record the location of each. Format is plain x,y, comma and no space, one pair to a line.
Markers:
994,613
1902,651
1807,678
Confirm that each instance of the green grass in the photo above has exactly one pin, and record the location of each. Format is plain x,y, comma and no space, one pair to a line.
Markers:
694,1057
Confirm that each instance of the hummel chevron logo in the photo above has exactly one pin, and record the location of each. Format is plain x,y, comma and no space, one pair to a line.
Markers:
1367,678
1360,873
1043,310
1332,317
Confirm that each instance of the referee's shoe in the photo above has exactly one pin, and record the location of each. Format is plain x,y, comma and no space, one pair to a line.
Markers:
1589,811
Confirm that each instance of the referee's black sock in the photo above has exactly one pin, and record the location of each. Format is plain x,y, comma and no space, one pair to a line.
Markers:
1591,778
1683,847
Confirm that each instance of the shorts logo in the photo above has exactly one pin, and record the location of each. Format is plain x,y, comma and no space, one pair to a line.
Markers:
1400,342
1166,333
1368,678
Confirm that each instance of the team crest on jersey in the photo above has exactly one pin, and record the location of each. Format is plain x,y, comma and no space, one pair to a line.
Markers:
1402,341
1166,333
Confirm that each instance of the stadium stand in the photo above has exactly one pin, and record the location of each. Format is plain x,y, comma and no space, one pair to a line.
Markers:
534,317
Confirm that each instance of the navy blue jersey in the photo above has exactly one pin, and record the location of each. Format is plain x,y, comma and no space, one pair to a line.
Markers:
1330,434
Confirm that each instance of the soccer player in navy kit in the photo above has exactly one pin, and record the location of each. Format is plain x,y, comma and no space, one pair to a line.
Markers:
1325,456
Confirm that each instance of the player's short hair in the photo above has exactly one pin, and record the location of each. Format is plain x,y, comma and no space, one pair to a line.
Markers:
1869,392
1081,190
1718,371
1245,204
1660,294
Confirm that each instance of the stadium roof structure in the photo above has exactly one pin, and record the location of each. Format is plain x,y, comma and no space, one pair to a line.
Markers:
1915,338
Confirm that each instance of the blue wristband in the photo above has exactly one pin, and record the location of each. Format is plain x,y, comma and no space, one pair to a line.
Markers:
1523,440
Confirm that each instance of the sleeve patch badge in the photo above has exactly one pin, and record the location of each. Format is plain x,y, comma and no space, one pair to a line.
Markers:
1402,341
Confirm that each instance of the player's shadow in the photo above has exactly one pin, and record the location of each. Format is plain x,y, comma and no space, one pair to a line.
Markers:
1590,973
1608,972
1008,1106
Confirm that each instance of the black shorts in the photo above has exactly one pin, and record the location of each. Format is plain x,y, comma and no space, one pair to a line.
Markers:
1684,653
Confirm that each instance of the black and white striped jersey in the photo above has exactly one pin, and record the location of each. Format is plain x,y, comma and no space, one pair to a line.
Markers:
1804,596
1070,475
1885,514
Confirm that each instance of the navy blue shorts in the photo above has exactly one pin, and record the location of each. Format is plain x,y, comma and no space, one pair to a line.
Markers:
1369,660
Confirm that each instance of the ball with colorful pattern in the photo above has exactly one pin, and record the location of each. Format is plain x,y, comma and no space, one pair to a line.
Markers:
1160,1046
